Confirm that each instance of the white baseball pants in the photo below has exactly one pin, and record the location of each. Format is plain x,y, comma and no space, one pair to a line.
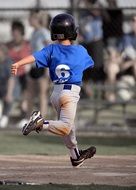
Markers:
65,98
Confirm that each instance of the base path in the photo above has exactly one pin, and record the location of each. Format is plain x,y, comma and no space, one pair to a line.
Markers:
111,170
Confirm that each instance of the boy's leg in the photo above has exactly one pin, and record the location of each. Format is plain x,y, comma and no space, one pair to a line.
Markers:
77,156
65,104
68,107
66,113
71,143
64,126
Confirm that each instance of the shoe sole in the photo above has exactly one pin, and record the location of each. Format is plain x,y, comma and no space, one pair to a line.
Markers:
30,126
79,165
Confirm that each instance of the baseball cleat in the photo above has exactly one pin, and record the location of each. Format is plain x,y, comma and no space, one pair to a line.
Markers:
35,123
84,154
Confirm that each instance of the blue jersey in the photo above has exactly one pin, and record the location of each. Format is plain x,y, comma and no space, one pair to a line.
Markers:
66,63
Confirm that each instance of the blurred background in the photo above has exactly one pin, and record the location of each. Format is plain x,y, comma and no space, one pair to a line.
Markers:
107,29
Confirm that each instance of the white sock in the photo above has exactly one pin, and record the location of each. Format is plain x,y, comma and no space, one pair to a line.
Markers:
45,125
74,153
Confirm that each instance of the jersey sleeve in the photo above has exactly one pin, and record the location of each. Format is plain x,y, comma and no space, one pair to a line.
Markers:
42,57
88,61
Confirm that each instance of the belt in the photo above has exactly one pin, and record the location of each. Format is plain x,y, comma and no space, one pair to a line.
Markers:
71,87
67,87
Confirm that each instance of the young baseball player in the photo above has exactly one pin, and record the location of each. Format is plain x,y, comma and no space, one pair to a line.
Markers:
66,63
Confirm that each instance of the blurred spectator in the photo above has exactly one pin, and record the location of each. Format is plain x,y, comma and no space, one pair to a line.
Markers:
6,86
128,50
38,78
18,49
41,34
112,68
92,36
121,65
127,75
112,23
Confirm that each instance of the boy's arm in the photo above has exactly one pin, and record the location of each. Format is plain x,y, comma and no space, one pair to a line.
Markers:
27,60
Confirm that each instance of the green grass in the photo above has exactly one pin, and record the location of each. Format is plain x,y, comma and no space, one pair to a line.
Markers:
64,187
13,142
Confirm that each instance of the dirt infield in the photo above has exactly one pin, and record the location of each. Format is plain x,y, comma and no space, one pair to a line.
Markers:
111,170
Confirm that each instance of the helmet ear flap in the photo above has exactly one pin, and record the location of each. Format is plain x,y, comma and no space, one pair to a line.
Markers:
57,37
74,36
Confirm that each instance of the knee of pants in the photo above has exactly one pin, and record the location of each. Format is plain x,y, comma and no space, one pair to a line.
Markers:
66,129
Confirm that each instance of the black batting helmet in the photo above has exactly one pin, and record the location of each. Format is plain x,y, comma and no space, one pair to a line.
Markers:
63,27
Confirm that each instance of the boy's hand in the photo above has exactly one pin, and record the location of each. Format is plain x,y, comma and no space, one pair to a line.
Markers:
14,68
25,61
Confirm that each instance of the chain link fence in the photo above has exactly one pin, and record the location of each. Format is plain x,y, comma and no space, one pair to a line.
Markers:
107,28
